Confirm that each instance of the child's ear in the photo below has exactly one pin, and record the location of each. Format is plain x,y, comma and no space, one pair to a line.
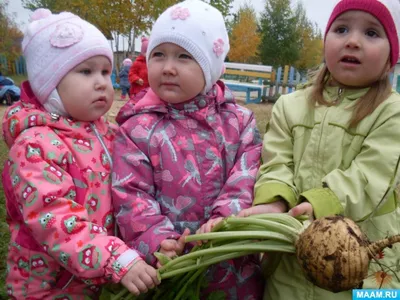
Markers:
388,69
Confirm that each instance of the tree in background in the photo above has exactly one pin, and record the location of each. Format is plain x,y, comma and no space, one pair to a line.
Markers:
244,37
118,18
310,44
283,37
224,6
10,36
280,37
126,18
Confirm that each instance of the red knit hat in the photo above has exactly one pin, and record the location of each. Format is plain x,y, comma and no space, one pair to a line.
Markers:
386,11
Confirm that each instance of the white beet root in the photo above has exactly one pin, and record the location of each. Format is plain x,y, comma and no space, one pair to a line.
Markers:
335,254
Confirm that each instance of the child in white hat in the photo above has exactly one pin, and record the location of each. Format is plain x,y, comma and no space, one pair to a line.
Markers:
57,177
187,155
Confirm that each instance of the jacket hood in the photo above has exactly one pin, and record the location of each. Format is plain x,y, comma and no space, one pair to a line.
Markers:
149,102
141,59
28,113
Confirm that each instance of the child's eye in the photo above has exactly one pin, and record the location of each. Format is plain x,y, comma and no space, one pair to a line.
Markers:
105,72
372,33
341,29
85,71
157,54
185,56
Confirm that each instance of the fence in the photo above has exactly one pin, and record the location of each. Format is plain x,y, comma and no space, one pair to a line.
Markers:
285,81
16,67
268,83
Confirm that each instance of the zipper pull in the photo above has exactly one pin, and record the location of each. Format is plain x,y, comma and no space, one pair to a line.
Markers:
54,116
340,92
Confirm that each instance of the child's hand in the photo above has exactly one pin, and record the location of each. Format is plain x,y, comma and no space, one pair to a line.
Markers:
140,278
304,208
207,227
140,81
172,248
274,207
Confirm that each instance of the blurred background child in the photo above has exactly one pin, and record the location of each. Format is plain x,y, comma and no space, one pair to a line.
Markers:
138,76
123,78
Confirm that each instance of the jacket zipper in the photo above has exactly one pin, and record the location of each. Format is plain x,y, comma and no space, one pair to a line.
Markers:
101,142
339,96
109,159
98,136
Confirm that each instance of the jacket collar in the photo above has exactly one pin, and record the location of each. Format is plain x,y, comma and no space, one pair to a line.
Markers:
216,97
28,113
332,93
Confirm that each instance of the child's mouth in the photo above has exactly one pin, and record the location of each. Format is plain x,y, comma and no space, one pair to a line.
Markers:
101,99
350,60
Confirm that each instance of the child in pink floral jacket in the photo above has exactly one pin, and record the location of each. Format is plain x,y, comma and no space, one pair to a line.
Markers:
57,177
186,154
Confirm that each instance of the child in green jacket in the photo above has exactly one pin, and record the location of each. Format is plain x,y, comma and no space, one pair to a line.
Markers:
334,147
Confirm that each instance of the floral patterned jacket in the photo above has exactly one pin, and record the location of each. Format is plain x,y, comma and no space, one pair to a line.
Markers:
177,166
57,187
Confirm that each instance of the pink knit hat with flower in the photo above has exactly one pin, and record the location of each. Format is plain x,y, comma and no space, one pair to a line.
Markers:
387,12
145,43
199,28
53,45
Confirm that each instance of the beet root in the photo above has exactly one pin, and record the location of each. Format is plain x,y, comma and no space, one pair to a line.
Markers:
335,254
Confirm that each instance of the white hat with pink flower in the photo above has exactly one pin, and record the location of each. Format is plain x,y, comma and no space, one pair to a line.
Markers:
199,28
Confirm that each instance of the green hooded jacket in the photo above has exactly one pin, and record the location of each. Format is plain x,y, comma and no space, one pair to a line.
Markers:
313,155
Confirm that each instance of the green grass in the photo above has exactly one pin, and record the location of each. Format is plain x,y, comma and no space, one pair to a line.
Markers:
262,114
18,79
4,234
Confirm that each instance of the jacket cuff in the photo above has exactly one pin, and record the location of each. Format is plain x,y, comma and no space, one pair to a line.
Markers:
120,264
324,202
272,192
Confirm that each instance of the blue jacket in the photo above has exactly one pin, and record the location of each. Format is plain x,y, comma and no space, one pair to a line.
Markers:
123,77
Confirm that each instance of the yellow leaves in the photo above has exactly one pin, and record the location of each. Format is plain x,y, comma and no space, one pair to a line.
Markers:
311,52
244,38
119,16
10,35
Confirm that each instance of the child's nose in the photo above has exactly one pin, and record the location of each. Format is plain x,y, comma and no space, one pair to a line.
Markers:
353,40
101,82
169,67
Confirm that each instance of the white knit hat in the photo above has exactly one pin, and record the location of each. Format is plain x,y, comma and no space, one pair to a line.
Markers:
198,28
53,45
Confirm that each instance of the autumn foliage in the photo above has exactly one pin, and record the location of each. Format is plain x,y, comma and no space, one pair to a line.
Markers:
244,38
10,35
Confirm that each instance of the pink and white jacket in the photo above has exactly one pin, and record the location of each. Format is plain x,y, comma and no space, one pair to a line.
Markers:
177,166
57,187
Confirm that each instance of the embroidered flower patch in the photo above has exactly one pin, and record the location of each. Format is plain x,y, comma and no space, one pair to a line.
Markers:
180,13
218,47
65,35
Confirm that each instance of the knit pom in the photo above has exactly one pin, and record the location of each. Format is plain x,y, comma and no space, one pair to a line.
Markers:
40,13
